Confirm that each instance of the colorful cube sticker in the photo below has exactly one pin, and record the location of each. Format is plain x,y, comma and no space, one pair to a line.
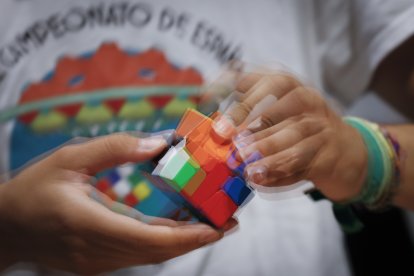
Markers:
237,190
121,188
141,191
194,183
196,172
131,199
219,208
186,173
178,169
213,182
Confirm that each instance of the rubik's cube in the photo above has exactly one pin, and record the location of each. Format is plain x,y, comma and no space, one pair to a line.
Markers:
201,172
127,186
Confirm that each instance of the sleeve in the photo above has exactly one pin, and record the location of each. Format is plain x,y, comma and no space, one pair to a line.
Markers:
355,36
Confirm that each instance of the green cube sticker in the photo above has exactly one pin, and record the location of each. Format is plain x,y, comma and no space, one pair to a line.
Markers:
174,164
185,174
178,169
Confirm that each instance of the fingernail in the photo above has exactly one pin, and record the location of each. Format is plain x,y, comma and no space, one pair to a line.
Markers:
239,157
256,125
232,161
256,174
208,236
243,153
151,143
230,225
242,135
249,152
243,139
224,127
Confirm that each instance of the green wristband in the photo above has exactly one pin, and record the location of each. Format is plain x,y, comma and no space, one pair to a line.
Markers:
380,167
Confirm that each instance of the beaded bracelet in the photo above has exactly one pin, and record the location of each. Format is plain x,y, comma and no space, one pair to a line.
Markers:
383,170
382,178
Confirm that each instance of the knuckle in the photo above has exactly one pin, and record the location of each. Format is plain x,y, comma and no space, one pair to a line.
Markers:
240,112
295,156
284,81
267,121
262,134
245,107
111,145
62,154
297,133
290,82
265,147
247,81
116,145
301,98
308,125
317,102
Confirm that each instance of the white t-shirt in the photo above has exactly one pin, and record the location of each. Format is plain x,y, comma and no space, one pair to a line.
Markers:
56,57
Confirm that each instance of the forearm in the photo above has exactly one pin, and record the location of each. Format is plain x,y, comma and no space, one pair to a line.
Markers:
394,79
404,196
6,256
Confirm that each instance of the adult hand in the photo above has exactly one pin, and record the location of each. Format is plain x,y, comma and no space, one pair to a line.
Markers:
47,216
299,136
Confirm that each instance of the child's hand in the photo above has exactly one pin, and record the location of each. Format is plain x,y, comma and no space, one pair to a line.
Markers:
47,216
300,138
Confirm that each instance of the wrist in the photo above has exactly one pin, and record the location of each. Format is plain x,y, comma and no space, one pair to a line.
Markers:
382,165
356,164
378,174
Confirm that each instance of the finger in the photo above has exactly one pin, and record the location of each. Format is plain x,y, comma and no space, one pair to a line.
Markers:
286,181
275,85
231,224
245,138
166,222
287,162
261,134
292,133
247,81
299,101
108,151
225,127
118,207
122,209
172,223
182,239
133,236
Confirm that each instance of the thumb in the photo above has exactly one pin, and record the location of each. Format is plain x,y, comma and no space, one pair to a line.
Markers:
134,236
181,239
107,151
